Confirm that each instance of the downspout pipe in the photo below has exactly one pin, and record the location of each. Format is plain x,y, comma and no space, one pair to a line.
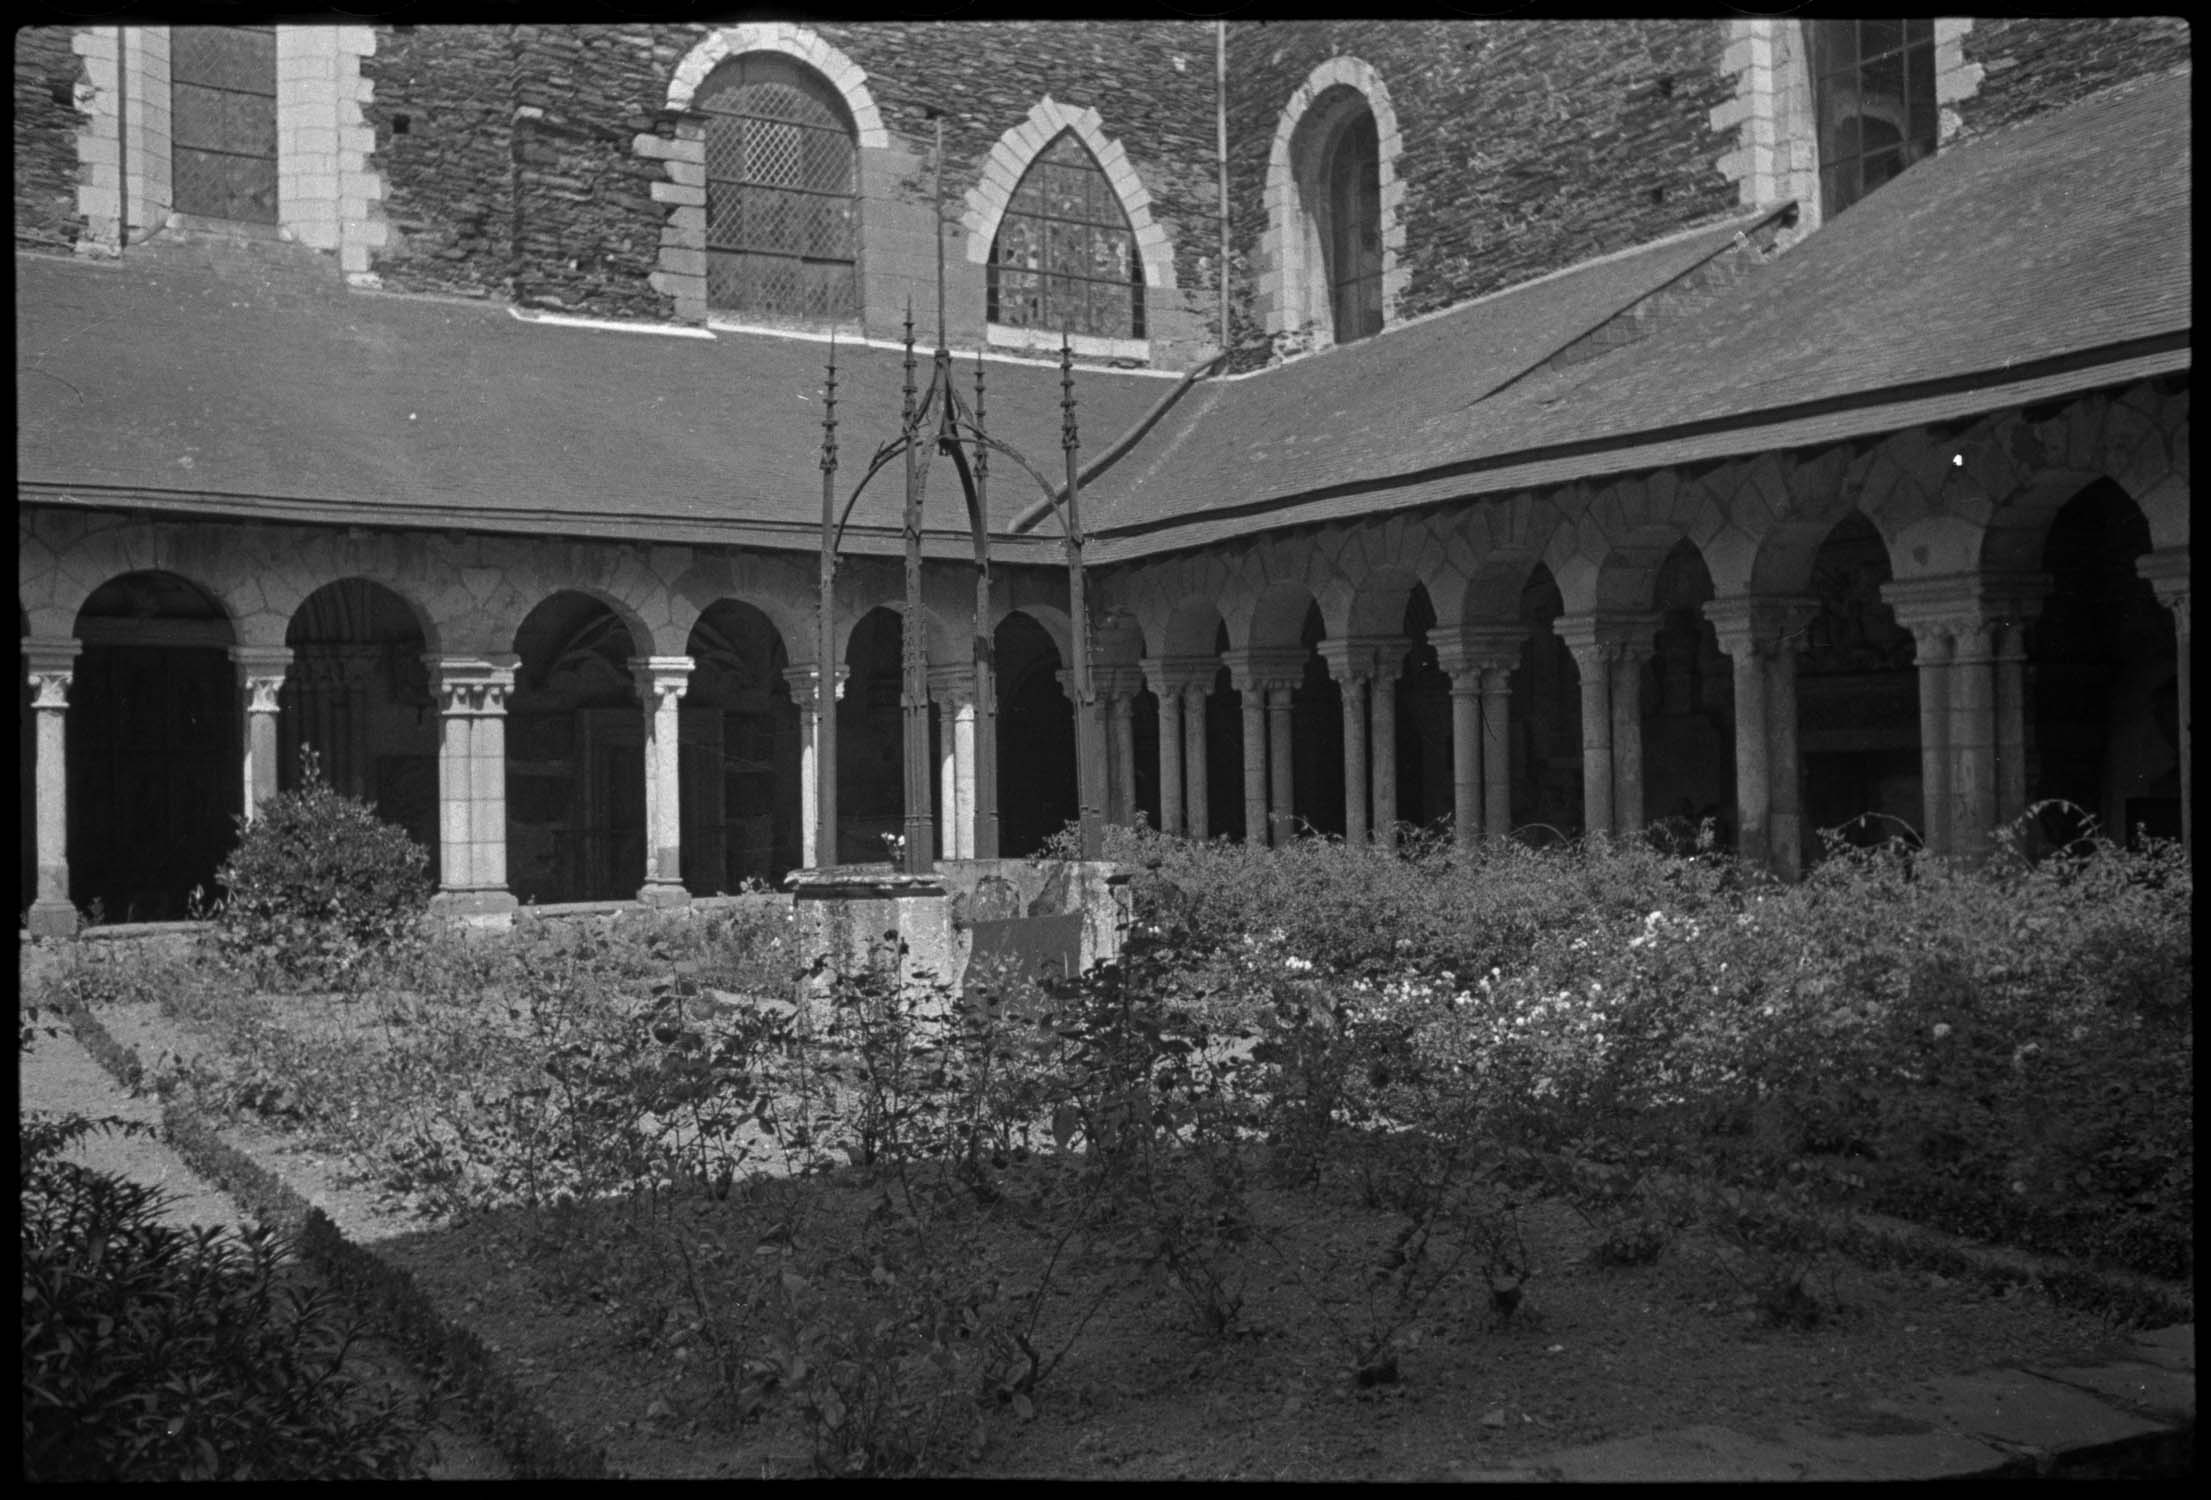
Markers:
1121,445
1220,120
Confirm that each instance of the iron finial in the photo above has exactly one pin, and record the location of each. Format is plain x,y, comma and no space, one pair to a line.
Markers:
1066,391
829,412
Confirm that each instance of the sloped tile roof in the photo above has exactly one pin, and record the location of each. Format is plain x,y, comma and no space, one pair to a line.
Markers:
2049,257
2064,241
184,389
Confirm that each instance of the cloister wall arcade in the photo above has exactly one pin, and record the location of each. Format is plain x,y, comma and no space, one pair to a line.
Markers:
1937,626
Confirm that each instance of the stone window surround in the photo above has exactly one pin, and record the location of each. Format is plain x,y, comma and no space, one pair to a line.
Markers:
328,196
1009,161
1293,290
682,270
1776,155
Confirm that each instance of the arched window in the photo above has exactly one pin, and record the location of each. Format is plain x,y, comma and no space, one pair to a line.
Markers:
782,221
222,102
1873,89
1065,257
1352,238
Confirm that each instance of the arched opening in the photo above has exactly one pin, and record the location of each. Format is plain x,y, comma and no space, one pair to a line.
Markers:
155,754
782,191
1064,258
1546,718
575,756
2103,675
1224,752
1037,794
1351,236
357,693
739,761
1423,722
1857,694
1687,705
871,777
1316,714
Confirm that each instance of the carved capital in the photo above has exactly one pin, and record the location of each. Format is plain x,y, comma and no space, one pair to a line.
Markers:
801,682
660,679
261,693
1470,650
50,690
472,685
1261,671
1760,625
1177,674
1600,639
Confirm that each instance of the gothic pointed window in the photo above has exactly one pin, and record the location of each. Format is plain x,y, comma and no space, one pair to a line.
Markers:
1873,85
782,219
1352,245
222,104
1065,258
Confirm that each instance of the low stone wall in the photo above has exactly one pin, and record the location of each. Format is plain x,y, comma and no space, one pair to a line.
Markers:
858,916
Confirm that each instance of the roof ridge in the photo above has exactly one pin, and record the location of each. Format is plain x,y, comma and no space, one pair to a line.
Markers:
1742,219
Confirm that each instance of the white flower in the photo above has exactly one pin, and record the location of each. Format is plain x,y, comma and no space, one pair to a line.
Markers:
1942,1029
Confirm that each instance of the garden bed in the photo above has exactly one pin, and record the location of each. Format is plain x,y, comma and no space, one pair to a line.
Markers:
1458,1161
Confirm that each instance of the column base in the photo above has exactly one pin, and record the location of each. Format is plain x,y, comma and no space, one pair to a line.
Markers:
660,895
52,919
486,909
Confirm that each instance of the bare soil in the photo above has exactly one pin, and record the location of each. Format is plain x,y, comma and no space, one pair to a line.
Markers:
599,1315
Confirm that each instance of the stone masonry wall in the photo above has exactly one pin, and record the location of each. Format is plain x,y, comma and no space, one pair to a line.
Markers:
443,112
47,73
1528,146
2031,65
518,163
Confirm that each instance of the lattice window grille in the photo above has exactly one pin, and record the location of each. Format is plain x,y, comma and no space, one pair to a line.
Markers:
1065,258
782,227
222,98
1874,87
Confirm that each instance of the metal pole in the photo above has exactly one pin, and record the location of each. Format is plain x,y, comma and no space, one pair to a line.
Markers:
914,642
1087,729
1220,60
825,635
986,689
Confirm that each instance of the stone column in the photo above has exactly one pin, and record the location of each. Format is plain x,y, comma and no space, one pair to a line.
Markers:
2167,572
1745,629
1497,750
1168,690
1466,756
661,681
1352,664
1196,808
800,681
1785,765
1760,635
1593,655
1480,660
472,786
261,678
2011,722
1630,655
51,664
1117,689
1959,622
954,691
1382,736
1244,674
1281,751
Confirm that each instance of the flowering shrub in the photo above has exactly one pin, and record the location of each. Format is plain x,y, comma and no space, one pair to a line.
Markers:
317,883
2002,1051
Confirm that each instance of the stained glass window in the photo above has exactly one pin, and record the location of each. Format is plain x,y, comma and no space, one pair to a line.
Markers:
1065,258
782,215
1874,88
222,103
1354,240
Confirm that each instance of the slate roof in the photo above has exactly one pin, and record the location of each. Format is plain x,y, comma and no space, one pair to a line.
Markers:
2041,260
169,387
2053,255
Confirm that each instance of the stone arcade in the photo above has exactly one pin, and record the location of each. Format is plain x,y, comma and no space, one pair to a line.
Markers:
1512,428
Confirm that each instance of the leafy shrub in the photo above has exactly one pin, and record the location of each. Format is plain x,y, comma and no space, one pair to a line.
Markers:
316,883
151,1352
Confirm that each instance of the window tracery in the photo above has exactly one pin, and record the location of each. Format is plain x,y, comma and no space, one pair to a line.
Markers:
782,219
1065,255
